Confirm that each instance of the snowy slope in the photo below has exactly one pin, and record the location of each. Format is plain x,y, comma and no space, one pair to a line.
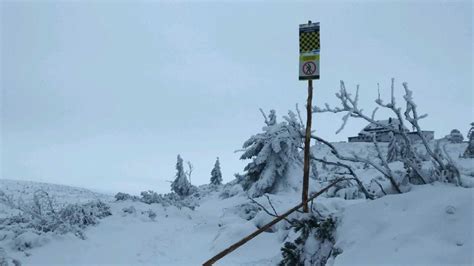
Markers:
174,237
61,194
389,229
431,225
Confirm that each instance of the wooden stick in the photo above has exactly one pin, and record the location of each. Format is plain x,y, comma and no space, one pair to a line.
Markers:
244,240
307,144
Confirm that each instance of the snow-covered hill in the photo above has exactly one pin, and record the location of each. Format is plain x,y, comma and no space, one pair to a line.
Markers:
430,224
61,195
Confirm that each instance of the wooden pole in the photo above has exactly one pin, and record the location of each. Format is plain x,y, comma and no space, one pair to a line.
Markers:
307,143
265,227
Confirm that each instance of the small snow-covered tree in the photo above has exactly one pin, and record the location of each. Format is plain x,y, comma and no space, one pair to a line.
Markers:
394,149
216,175
469,152
181,185
271,152
392,154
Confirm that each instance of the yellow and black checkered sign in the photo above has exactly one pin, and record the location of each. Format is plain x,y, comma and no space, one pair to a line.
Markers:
309,51
309,41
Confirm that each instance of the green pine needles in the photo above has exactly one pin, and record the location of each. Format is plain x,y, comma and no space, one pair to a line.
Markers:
314,244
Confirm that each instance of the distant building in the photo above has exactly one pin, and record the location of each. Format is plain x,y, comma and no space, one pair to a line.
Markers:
382,133
455,136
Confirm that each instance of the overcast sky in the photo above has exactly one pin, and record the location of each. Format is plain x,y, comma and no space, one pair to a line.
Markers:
105,95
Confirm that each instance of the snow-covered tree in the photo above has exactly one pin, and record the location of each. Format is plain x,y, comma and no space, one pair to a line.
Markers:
181,185
469,153
455,136
271,152
394,149
216,175
350,107
271,120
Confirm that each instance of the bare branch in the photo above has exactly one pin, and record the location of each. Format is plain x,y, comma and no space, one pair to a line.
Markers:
351,171
357,159
373,113
190,170
271,205
265,209
264,115
413,119
380,186
299,114
349,106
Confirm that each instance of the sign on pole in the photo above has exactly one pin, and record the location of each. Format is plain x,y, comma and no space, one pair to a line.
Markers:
309,51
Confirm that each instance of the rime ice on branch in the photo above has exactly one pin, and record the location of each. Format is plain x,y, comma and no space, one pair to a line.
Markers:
444,169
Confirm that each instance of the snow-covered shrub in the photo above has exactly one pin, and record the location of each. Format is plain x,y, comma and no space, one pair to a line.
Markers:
150,197
346,190
246,211
129,210
28,240
124,196
83,215
35,220
5,260
170,199
231,189
314,243
271,152
151,214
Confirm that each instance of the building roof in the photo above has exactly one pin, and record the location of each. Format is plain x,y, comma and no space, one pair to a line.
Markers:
373,127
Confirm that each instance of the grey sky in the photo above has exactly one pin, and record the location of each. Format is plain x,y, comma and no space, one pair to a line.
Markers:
105,95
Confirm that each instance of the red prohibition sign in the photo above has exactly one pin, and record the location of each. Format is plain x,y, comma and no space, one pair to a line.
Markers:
309,68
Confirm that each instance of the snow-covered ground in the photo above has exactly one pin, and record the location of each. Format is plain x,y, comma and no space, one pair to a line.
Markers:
60,194
430,224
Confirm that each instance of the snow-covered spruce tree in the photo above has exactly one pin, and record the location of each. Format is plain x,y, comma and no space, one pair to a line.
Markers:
272,153
181,185
216,175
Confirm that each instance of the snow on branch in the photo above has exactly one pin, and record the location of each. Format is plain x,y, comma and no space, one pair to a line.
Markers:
349,106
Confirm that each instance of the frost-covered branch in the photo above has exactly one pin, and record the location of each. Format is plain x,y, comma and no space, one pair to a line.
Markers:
411,115
357,159
349,106
190,170
299,114
264,115
274,214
